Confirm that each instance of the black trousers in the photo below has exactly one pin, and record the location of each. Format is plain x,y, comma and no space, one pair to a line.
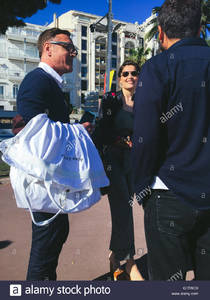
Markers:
177,236
120,193
47,242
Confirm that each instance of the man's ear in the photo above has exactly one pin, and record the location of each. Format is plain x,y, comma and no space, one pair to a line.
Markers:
47,49
199,31
161,35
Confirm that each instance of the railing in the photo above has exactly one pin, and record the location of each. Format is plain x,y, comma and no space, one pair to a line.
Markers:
11,73
3,54
26,32
20,53
15,74
8,97
3,74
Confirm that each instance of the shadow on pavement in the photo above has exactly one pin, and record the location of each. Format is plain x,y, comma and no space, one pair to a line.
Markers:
4,244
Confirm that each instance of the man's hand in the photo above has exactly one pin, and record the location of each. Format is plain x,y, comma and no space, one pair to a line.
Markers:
89,127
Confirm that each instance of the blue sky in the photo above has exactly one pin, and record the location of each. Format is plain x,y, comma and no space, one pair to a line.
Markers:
124,10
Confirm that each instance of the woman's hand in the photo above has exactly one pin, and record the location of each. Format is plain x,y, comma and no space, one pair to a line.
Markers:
124,142
89,127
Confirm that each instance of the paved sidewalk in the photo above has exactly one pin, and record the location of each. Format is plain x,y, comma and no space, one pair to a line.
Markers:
84,255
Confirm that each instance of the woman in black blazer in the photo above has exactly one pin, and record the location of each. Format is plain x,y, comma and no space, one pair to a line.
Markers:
113,140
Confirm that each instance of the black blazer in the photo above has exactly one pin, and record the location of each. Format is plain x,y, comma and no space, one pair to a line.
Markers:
104,133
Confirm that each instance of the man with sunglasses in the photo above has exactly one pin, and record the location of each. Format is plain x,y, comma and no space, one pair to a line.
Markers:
40,92
171,152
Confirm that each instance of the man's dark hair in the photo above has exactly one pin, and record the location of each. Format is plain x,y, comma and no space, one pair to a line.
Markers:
180,18
128,63
48,35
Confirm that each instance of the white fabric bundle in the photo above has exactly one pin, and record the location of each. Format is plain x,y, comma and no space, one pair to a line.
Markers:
55,167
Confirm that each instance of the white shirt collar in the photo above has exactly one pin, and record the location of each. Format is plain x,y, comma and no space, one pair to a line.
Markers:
52,72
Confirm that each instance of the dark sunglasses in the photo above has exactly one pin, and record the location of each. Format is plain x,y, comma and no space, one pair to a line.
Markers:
68,46
133,73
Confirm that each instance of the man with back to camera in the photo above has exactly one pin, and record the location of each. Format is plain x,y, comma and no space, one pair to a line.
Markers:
171,151
40,92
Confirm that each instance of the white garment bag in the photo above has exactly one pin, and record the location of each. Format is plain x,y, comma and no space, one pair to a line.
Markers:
55,167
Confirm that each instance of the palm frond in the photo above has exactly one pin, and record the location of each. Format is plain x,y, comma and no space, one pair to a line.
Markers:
152,33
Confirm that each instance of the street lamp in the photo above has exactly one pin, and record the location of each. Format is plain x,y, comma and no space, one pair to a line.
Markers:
106,28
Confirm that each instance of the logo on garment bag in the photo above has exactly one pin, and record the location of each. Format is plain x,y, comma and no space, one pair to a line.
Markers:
71,145
71,158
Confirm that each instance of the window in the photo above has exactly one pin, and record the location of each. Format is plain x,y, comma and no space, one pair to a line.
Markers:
84,30
84,58
84,71
114,49
114,62
15,90
84,44
84,85
114,37
141,42
1,90
31,51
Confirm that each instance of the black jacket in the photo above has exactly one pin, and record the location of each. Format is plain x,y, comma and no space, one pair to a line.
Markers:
172,122
105,134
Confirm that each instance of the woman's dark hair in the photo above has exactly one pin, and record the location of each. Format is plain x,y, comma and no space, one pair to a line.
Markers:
47,35
128,63
180,18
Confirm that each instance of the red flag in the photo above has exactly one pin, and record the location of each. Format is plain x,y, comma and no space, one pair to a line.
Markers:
104,83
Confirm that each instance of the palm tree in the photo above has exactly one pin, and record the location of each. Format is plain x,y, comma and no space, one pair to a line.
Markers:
153,33
205,21
139,55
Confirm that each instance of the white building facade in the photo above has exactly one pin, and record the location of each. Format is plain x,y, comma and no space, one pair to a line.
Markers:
19,55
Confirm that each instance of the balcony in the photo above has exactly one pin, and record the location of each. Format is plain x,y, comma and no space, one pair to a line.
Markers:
20,54
99,79
14,75
12,102
8,101
3,74
16,54
8,97
19,34
100,66
3,54
101,53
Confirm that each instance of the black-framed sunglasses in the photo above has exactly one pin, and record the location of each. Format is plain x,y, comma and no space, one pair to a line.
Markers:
68,46
133,73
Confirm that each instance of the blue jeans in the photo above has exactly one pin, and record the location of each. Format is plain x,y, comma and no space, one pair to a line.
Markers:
47,242
177,236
